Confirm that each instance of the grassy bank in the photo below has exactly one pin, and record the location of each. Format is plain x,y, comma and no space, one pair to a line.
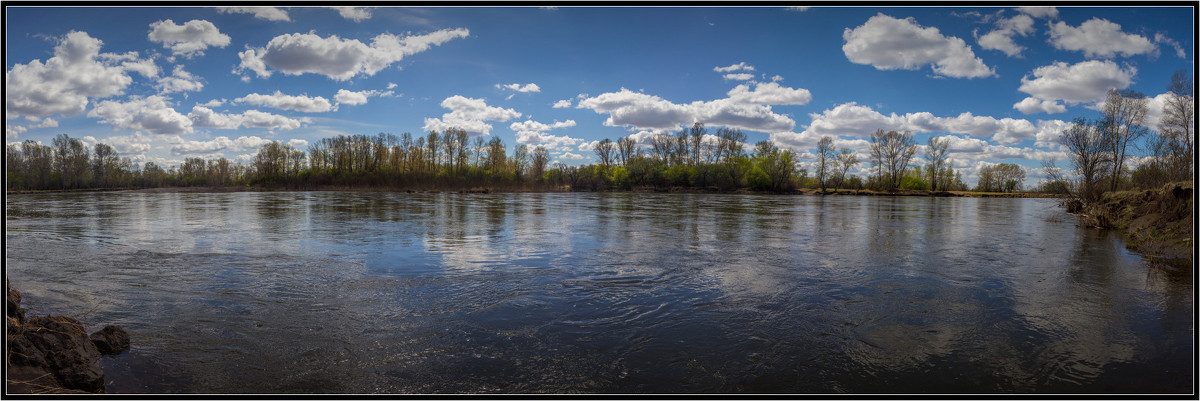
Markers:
1156,222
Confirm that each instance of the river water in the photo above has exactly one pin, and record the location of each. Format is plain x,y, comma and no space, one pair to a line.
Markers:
343,292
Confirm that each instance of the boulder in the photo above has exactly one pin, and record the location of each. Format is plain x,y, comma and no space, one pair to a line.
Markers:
59,346
111,340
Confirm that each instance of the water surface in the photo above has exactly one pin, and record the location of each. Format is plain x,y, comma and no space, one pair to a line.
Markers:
333,292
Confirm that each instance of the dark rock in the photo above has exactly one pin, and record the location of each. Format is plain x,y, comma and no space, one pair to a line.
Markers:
59,345
111,340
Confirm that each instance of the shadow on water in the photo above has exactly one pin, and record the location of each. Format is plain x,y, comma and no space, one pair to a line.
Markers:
327,292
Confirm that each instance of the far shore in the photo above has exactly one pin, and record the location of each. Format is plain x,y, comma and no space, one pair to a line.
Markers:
563,189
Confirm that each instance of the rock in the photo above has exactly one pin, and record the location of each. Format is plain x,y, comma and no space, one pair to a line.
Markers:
12,303
60,346
111,340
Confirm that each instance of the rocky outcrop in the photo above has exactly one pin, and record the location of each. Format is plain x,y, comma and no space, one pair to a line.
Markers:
54,354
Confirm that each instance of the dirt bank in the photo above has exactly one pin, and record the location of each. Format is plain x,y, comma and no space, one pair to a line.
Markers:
1156,222
53,354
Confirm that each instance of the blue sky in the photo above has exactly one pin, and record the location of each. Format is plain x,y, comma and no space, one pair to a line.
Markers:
163,84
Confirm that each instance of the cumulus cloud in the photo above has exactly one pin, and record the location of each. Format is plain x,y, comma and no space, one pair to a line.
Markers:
1032,105
281,101
469,114
12,130
534,133
1049,132
179,81
1039,12
529,87
562,104
740,77
1099,38
189,39
770,93
744,108
1002,38
354,98
1083,82
150,114
217,145
337,58
356,14
63,85
889,43
852,119
204,117
130,145
741,66
267,13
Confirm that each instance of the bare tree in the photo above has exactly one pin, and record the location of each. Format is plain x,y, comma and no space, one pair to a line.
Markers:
538,165
936,155
1088,154
845,160
892,152
1175,143
825,160
1123,116
605,150
626,149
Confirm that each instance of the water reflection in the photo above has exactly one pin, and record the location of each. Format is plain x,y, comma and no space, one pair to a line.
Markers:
396,292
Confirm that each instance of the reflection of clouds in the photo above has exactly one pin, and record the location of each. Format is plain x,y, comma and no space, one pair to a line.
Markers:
989,290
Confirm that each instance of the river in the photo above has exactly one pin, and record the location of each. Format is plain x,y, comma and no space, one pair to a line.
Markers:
350,292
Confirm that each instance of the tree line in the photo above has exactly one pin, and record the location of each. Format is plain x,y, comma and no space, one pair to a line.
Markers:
694,157
1100,150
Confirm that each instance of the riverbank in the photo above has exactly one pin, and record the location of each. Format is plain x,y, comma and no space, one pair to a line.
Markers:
560,189
54,354
1156,222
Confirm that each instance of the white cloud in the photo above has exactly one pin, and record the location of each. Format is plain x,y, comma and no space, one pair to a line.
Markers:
1002,38
742,66
1032,105
356,14
1160,38
150,114
1040,12
1099,38
530,87
744,109
570,156
1048,133
851,119
628,108
770,93
533,133
76,72
337,58
357,98
745,76
562,104
204,117
281,101
215,146
888,43
179,81
12,131
189,39
267,13
1083,82
130,145
391,85
259,119
297,143
214,103
469,115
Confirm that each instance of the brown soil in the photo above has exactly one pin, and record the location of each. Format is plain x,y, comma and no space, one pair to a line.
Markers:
1157,222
